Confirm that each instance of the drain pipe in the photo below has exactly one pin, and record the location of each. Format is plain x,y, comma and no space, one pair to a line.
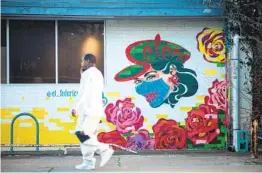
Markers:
234,61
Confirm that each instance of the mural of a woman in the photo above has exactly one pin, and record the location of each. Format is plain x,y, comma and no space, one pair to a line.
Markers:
158,71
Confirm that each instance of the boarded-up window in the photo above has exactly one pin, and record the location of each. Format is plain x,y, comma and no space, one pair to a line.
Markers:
3,51
32,51
76,38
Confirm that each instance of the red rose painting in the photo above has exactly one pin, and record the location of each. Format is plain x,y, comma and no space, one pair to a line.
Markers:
113,137
168,135
202,124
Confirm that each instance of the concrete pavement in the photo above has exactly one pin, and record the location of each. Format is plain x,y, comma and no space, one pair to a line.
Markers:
187,162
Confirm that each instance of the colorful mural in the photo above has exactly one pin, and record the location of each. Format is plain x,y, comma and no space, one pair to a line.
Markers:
105,100
204,125
112,137
159,73
140,141
169,135
124,115
177,99
211,43
217,95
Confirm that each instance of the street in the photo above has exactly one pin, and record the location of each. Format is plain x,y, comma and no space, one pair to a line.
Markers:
188,162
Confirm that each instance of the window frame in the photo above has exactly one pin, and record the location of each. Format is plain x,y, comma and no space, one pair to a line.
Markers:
56,49
7,51
60,29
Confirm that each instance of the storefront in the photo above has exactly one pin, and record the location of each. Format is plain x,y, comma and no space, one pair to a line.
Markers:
164,69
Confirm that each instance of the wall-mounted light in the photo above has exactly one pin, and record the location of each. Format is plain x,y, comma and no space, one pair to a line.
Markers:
92,44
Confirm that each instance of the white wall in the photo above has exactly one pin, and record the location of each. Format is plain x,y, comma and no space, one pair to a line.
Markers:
119,35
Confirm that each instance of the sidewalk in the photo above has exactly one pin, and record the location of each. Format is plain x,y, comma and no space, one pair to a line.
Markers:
75,151
153,162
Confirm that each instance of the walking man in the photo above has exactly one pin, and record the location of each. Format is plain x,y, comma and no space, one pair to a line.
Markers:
89,107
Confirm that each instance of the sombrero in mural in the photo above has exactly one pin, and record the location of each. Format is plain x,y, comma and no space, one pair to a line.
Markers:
150,52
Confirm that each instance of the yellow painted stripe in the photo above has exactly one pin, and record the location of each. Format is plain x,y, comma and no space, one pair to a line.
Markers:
198,104
30,120
149,127
101,130
39,115
200,97
161,116
65,125
71,100
135,132
223,76
39,112
112,94
6,115
183,123
185,109
38,109
210,72
103,120
3,109
132,97
14,109
63,109
111,126
53,120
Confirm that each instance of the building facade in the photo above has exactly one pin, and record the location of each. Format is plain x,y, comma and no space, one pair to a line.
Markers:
164,64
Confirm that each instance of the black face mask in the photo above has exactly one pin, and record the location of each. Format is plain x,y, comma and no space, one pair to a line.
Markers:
87,67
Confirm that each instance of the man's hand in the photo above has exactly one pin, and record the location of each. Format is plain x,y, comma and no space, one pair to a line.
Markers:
73,112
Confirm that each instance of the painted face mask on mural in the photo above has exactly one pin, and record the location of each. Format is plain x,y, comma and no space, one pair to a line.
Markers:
155,91
159,72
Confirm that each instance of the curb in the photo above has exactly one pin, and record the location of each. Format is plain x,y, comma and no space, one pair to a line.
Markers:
77,152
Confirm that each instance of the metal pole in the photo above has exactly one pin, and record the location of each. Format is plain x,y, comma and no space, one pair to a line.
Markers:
234,63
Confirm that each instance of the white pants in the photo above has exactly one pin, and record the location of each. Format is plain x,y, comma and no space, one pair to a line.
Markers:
90,146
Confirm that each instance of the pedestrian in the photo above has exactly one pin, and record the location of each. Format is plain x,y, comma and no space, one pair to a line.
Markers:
89,107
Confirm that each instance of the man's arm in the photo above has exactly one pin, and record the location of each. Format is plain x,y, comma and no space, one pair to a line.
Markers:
78,106
83,105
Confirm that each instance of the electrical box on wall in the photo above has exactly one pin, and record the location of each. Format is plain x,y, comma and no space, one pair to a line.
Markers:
242,141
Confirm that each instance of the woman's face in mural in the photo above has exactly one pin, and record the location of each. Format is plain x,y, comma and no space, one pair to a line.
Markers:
159,72
156,86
